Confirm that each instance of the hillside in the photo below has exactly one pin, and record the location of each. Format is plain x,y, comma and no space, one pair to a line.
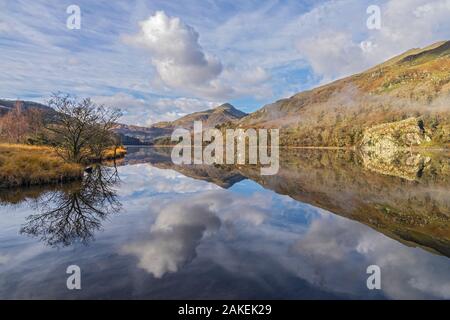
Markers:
131,134
415,85
8,105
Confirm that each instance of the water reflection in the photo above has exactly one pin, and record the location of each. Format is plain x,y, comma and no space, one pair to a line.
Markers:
404,195
187,232
74,214
180,227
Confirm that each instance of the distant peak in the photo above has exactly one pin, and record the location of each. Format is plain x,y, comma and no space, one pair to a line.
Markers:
226,106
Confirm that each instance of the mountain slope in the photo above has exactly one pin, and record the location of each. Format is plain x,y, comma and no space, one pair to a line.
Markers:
415,84
8,105
131,134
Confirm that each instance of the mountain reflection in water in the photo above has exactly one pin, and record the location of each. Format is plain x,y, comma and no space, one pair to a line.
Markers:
168,231
405,196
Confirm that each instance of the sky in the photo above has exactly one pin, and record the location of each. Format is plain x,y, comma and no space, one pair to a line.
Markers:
158,60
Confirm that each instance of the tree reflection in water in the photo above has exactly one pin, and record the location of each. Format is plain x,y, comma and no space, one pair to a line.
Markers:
74,215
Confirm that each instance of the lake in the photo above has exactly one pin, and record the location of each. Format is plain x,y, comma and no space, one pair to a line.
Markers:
149,229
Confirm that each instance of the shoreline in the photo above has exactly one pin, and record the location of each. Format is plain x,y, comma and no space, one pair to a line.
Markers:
24,165
353,148
28,166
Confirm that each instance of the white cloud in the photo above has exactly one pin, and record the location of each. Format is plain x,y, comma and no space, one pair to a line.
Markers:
332,54
140,176
174,238
144,112
181,226
340,250
184,106
182,64
177,56
337,43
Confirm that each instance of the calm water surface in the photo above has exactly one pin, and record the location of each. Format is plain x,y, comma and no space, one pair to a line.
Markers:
153,230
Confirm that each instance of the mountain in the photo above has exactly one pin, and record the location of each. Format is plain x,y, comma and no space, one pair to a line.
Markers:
160,157
135,135
414,85
403,102
211,118
400,103
406,199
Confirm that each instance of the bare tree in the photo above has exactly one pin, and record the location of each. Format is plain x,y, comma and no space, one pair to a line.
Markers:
75,214
35,119
104,137
81,128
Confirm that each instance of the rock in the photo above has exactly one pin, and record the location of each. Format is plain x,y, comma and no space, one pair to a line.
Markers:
402,164
394,135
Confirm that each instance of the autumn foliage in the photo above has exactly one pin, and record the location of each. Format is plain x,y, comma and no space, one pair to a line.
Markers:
19,125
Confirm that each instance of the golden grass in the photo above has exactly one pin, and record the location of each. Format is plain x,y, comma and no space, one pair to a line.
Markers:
23,165
109,154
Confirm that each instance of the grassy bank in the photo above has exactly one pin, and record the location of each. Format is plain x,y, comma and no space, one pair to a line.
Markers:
24,165
110,154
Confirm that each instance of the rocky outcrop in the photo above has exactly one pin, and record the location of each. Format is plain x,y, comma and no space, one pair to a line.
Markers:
383,148
402,164
388,137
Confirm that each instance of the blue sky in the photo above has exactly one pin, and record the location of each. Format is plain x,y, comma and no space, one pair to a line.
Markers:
158,60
